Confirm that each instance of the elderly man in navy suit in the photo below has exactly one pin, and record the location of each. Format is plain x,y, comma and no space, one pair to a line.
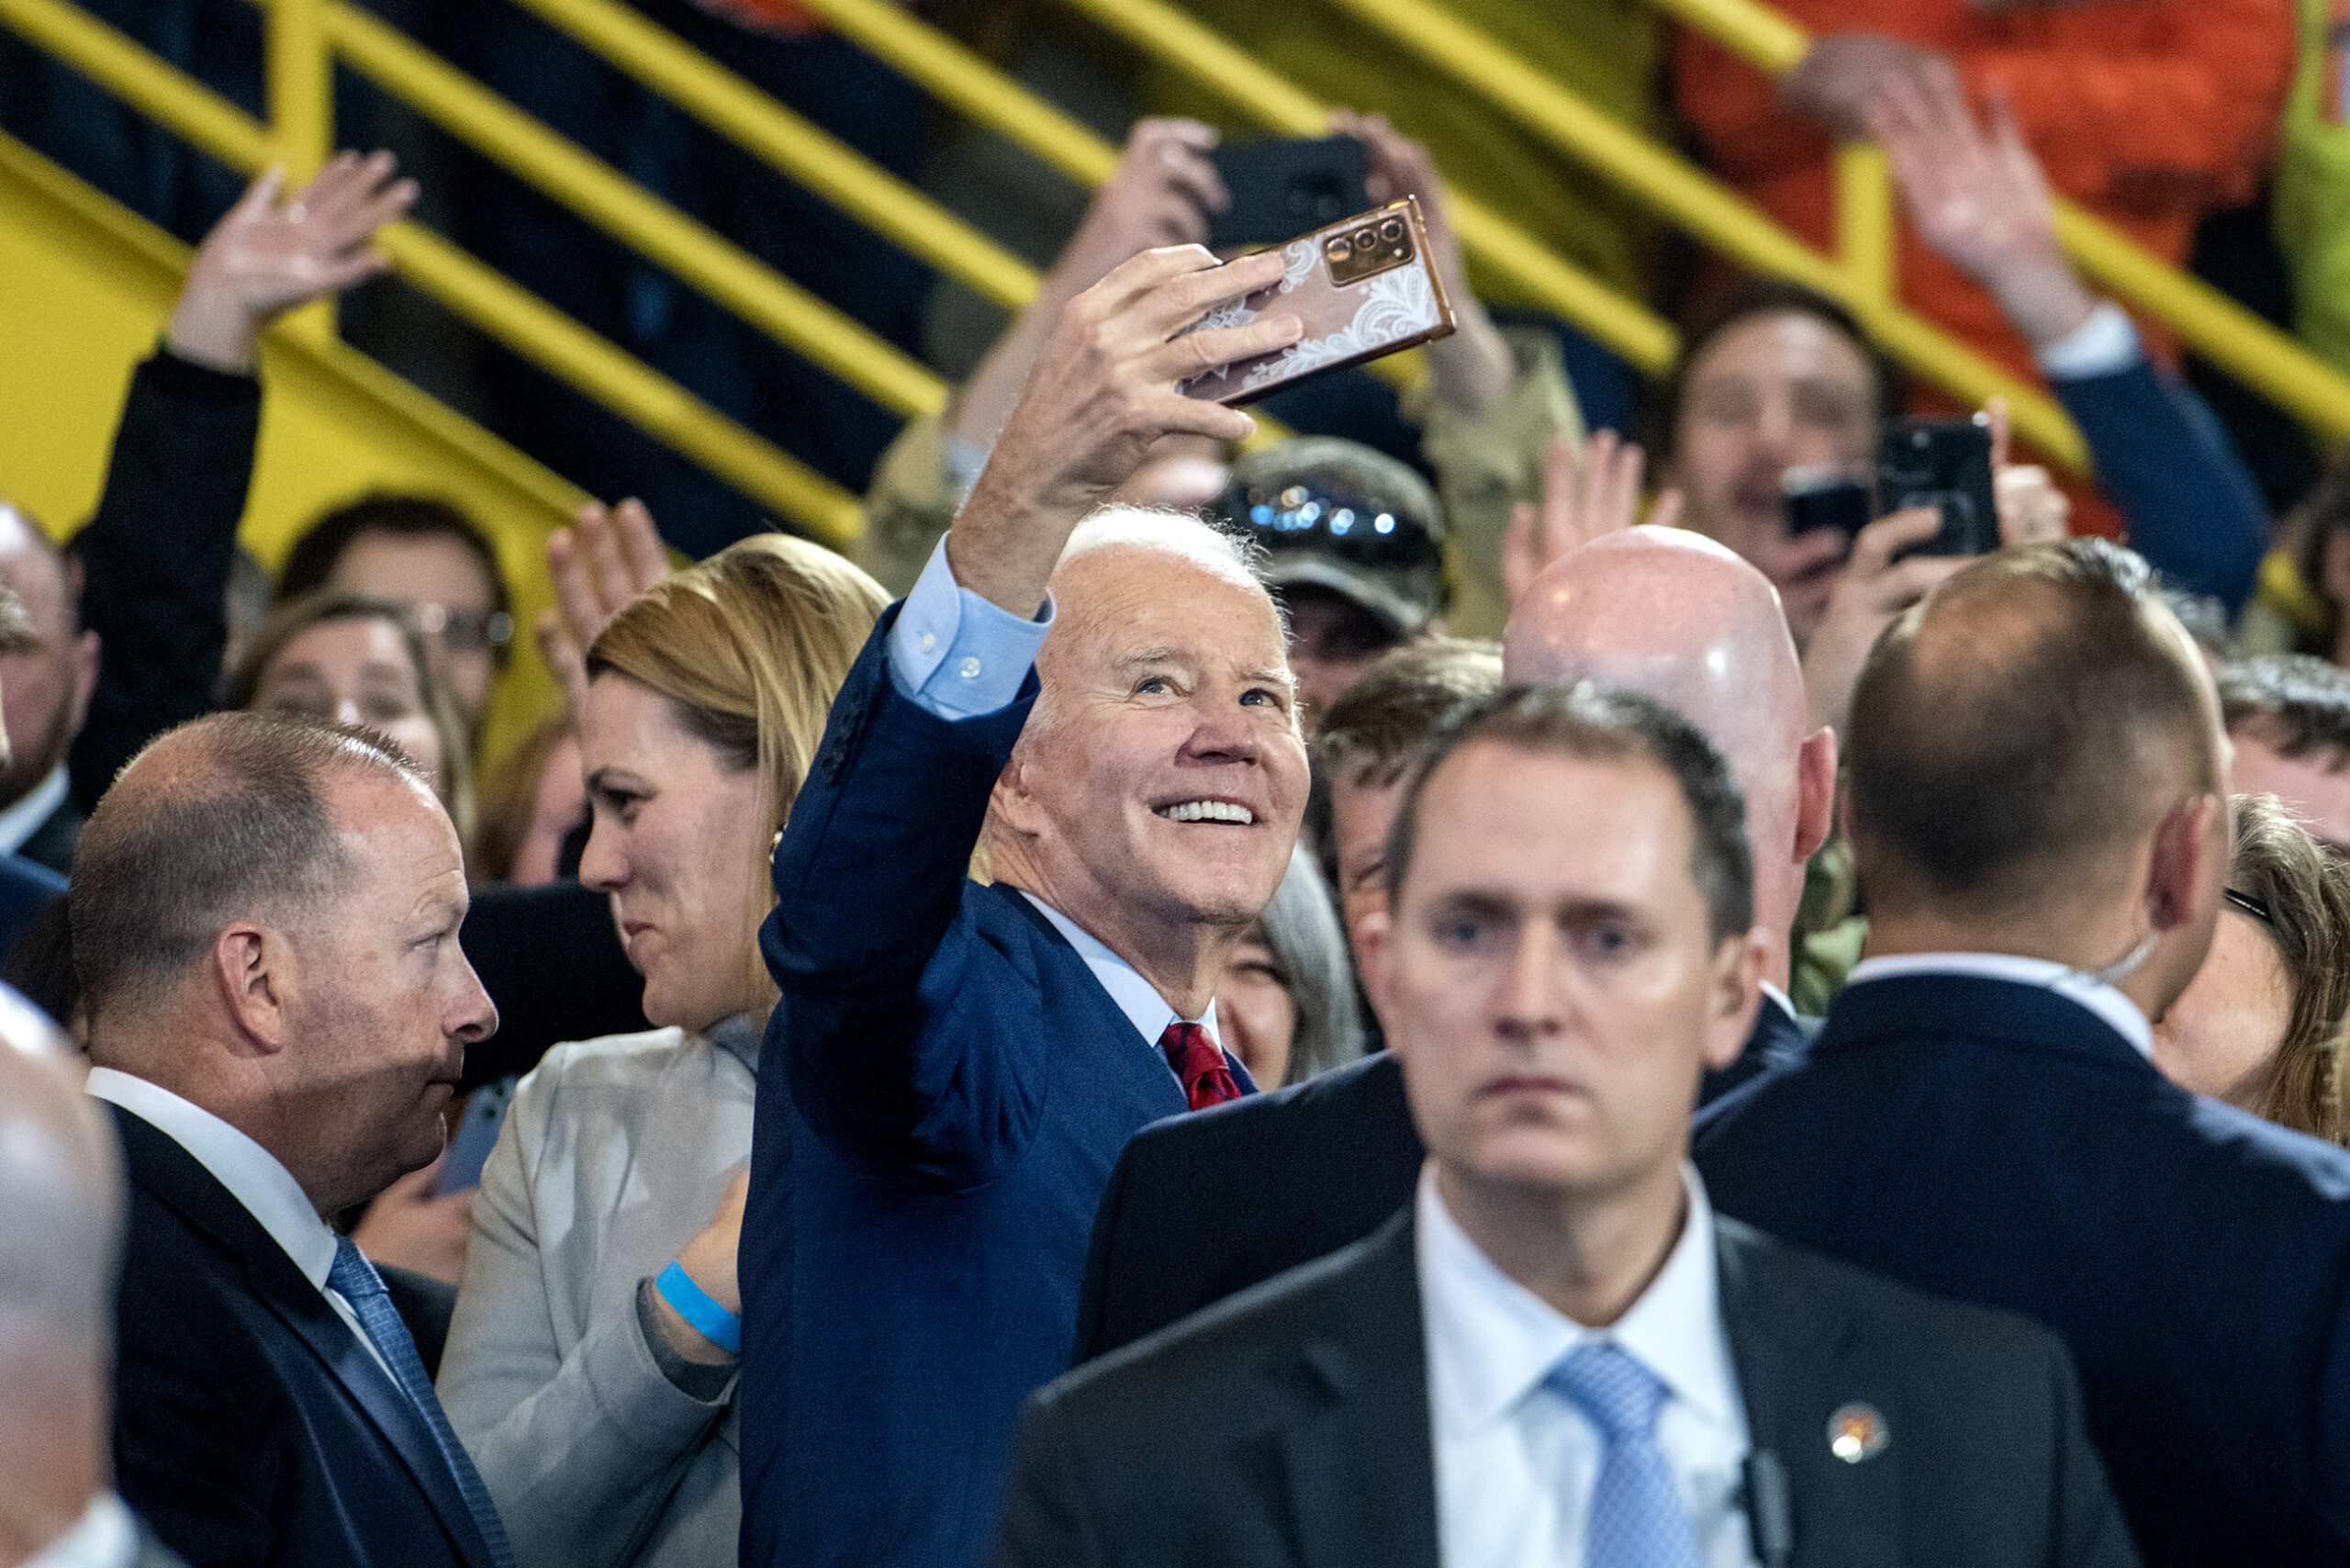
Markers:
2037,799
953,1067
1200,1209
265,921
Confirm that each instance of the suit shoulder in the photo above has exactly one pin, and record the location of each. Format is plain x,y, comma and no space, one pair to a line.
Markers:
610,1062
1929,1328
1349,1096
1192,1370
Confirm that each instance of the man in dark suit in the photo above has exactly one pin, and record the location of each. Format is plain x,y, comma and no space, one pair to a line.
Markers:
47,683
2037,799
1556,1352
952,1068
265,921
1202,1207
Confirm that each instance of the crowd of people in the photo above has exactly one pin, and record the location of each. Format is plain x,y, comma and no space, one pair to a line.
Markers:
1185,1004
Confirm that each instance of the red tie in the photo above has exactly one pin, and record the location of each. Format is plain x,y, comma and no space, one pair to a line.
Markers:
1199,1065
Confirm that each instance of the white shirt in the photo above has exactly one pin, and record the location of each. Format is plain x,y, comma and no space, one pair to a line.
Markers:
253,1175
1516,1460
103,1538
21,821
2117,1011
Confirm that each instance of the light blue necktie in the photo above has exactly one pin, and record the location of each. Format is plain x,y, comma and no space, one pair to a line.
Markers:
355,1280
1637,1517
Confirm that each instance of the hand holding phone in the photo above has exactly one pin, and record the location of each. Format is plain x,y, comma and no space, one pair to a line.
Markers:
1364,289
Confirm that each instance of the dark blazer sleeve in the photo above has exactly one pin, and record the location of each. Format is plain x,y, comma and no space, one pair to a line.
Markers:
1048,1520
2193,509
872,944
155,558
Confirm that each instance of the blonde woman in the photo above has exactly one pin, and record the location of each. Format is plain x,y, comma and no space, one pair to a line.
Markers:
590,1366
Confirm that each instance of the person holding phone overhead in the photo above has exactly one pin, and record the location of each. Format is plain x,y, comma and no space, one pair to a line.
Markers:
590,1367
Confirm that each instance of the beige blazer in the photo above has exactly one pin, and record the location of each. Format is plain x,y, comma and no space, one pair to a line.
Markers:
614,1156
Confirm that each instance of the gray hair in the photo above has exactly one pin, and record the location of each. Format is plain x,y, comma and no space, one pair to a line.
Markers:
1300,925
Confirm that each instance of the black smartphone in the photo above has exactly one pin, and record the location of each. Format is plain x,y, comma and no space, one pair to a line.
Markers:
1944,464
1284,186
476,1135
1826,497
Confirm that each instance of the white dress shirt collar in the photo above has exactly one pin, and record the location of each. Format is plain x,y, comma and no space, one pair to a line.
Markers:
21,821
103,1537
1135,997
1785,1002
1492,1341
253,1175
2117,1011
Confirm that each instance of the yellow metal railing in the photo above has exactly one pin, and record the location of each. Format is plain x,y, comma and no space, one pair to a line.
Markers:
1860,276
2265,358
476,293
306,38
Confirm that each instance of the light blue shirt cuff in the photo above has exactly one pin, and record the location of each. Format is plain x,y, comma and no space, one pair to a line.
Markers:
2105,344
955,652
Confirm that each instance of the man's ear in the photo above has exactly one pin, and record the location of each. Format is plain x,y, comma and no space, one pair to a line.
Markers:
251,966
2179,879
1815,794
1737,991
1010,802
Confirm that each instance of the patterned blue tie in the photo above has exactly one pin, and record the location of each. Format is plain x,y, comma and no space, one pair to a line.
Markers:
355,1280
1637,1518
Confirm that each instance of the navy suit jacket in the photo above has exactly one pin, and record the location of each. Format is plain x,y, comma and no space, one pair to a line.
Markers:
26,888
252,1427
943,1089
1998,1143
1288,1428
1203,1206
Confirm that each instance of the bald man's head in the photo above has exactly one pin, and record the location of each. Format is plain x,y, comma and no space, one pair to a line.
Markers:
1681,618
2017,735
60,1187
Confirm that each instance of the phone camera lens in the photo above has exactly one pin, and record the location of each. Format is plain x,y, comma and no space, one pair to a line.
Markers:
1365,240
1391,230
1338,250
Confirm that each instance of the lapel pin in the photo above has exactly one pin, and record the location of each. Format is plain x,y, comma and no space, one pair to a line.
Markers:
1856,1432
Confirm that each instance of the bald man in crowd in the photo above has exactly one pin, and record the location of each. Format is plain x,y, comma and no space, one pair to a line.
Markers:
266,920
61,1186
1290,1176
2038,799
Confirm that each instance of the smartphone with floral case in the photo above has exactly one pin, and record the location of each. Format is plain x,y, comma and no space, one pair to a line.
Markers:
1364,289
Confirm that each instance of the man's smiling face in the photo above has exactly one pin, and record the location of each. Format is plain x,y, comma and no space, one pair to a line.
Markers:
1161,775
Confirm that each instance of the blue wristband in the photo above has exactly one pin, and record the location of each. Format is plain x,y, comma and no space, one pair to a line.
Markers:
693,1304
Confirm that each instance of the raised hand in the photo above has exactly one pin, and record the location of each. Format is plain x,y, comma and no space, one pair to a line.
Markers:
1473,366
1836,81
603,560
268,256
1873,589
1978,198
2032,511
409,1227
1161,193
1103,391
1582,501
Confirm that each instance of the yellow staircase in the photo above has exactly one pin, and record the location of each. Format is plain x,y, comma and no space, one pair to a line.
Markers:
84,287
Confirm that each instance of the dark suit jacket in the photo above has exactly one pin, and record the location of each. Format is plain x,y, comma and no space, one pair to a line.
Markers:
942,1091
26,889
1998,1143
1201,1206
52,843
252,1427
1290,1425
